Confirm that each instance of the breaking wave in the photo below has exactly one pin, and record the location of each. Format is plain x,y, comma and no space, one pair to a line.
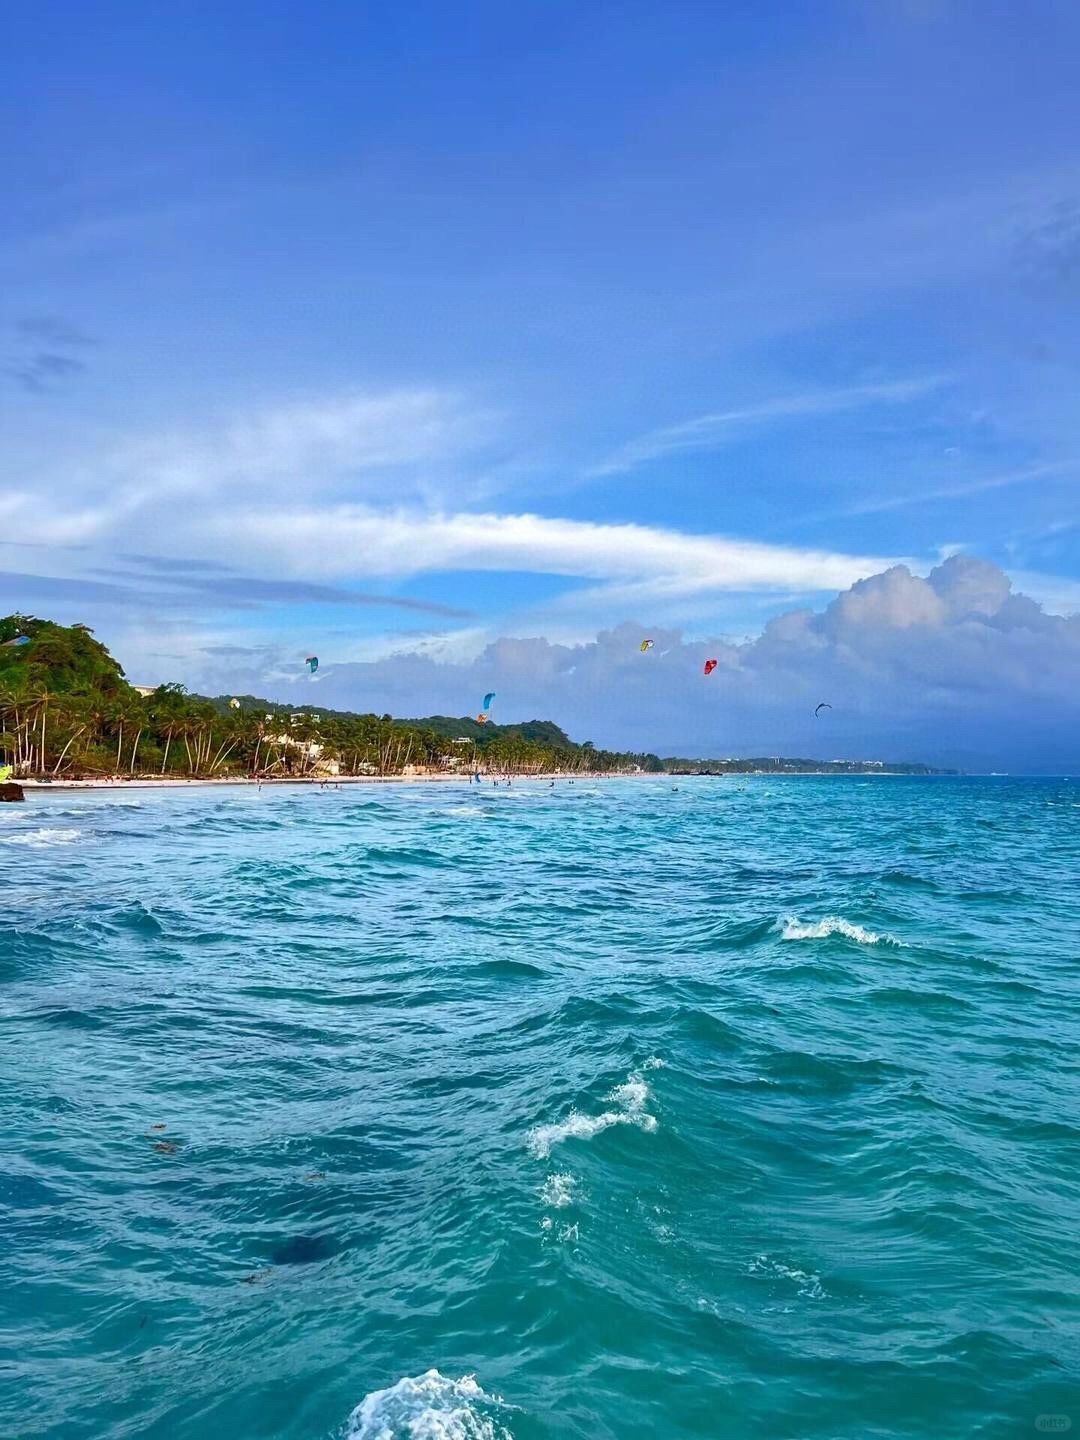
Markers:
44,838
428,1407
792,928
630,1099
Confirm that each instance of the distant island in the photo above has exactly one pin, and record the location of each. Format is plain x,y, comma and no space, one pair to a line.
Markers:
786,765
68,712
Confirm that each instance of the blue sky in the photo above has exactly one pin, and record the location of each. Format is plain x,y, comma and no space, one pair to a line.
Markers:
392,332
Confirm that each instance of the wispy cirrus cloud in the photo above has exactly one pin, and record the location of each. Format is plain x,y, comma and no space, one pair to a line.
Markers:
200,592
400,442
349,539
43,351
980,485
706,432
165,564
339,489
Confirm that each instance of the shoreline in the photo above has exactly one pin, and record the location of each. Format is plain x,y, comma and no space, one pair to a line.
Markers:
325,782
151,782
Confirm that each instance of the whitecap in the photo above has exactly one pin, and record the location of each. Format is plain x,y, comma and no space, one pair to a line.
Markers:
428,1407
43,838
807,1284
631,1098
558,1190
792,928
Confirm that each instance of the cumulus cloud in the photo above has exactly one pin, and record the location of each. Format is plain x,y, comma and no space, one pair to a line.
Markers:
954,668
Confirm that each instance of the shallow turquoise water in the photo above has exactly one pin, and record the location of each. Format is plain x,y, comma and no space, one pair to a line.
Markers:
749,1108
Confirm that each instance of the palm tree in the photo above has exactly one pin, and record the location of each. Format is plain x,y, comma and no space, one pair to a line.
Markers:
166,706
136,716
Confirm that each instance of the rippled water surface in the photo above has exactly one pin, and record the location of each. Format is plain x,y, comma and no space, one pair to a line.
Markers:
747,1108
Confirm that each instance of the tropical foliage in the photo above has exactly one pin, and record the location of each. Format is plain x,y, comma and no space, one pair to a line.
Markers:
67,710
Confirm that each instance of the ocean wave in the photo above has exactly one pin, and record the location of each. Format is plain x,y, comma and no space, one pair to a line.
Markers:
558,1190
428,1407
44,838
630,1099
565,1235
807,1284
792,928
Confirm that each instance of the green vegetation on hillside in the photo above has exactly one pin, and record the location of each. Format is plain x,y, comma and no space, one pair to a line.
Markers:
784,765
67,710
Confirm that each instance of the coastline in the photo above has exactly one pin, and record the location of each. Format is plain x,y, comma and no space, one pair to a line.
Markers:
151,782
319,782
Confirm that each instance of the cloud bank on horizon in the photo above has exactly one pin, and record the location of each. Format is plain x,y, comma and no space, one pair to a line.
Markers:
955,669
313,342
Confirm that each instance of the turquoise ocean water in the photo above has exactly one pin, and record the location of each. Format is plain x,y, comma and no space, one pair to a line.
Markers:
744,1109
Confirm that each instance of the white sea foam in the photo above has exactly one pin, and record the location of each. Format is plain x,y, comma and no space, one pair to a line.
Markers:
558,1190
43,838
565,1235
428,1407
807,1284
630,1098
792,928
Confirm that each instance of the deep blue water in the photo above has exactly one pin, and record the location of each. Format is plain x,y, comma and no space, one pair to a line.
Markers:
746,1109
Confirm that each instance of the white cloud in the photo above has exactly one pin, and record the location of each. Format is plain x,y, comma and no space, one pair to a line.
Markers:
394,442
966,488
705,432
954,668
371,486
356,540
